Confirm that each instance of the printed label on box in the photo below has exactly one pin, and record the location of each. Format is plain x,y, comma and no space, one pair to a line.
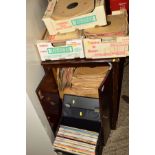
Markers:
84,20
62,50
77,46
63,25
107,47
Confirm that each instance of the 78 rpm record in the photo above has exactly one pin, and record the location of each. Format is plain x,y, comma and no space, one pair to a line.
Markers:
118,25
59,38
65,9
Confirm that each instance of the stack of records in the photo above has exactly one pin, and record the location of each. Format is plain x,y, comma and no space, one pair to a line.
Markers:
60,39
117,26
65,9
64,77
84,81
76,141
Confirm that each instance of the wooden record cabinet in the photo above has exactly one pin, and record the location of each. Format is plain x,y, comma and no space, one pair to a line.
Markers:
48,93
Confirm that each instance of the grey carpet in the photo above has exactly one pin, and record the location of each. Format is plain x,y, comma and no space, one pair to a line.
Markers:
118,142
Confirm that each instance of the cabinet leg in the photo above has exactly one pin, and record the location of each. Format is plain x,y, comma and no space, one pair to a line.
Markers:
121,69
117,76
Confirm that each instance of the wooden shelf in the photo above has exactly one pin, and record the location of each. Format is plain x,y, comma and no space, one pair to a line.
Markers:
79,62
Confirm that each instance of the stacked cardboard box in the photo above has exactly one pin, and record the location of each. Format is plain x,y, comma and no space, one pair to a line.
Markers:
61,46
63,16
108,41
81,29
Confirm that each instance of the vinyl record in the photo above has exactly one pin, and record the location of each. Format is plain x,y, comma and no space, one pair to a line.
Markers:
65,9
61,38
117,26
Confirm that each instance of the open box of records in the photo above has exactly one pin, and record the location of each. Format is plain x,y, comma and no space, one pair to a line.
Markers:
63,16
80,131
61,46
108,41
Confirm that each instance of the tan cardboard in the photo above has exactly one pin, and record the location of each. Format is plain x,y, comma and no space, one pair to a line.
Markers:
60,38
88,20
65,9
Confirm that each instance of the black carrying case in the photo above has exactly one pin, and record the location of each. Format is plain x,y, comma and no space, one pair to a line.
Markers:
82,113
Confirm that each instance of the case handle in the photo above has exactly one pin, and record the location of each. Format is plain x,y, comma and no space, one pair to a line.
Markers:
105,117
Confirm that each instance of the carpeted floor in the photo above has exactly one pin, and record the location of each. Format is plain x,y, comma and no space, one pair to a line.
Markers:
118,142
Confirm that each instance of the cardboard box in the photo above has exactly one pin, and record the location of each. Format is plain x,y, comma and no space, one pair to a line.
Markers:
107,47
96,17
72,49
118,26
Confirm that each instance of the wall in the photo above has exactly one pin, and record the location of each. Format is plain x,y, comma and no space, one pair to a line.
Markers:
34,72
38,142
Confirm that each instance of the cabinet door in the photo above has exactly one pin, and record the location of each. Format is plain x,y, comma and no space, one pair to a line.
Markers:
105,100
48,95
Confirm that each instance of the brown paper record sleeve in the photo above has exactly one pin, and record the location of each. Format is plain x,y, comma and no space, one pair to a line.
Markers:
63,37
85,82
117,26
59,38
65,9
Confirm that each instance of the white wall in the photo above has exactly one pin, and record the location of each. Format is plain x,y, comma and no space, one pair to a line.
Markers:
38,142
34,72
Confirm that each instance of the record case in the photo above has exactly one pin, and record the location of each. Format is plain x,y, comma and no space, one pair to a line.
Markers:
82,114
